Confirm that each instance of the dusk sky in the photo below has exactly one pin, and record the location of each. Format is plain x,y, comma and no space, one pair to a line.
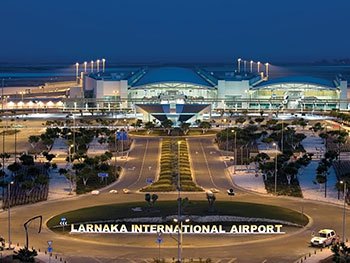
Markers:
152,31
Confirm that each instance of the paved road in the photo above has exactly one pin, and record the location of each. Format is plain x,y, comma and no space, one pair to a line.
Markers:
210,172
141,163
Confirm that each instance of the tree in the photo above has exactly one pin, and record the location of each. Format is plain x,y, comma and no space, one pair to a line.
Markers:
137,124
167,124
185,127
25,255
148,198
33,140
341,253
149,126
154,198
240,120
49,156
27,159
211,200
15,167
205,126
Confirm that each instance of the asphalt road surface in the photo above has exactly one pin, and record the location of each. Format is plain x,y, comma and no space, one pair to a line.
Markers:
210,172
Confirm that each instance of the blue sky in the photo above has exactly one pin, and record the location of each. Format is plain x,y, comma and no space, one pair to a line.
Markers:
165,31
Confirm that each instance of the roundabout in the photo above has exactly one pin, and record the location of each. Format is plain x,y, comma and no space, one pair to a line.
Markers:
230,223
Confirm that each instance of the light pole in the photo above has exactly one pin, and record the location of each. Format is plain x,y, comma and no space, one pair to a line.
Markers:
98,65
9,211
115,148
235,155
258,66
70,166
267,70
226,140
275,144
92,65
282,142
103,65
344,209
179,222
239,64
85,65
77,71
179,233
251,66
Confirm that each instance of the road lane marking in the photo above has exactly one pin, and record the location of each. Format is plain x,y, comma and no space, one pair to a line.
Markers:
206,162
142,164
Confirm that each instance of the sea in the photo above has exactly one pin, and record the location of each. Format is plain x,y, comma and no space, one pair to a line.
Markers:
30,75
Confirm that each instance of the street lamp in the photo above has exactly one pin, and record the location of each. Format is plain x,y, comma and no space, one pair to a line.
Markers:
239,64
92,65
275,144
179,243
235,155
77,70
226,139
267,70
85,65
98,65
344,209
251,66
259,66
70,166
9,211
179,239
103,65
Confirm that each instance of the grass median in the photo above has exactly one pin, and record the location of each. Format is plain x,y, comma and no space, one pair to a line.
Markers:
166,208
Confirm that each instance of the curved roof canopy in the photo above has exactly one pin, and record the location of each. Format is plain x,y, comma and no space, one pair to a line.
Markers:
297,80
171,74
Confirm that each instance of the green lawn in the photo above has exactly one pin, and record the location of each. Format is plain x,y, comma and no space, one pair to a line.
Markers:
165,208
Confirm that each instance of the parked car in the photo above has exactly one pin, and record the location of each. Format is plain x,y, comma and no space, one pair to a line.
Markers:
113,191
95,192
324,238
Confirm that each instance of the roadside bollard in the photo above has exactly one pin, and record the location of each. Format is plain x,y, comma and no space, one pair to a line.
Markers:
315,252
309,254
45,252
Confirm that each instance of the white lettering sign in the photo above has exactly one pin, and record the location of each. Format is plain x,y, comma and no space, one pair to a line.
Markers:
171,229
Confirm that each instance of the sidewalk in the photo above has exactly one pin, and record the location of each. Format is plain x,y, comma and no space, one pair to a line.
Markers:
59,185
43,256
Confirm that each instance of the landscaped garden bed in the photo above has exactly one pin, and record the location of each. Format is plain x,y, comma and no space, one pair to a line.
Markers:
174,162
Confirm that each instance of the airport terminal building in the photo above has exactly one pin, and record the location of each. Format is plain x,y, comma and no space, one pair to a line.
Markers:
185,94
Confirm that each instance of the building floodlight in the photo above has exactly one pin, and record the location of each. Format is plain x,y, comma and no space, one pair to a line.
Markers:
103,65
